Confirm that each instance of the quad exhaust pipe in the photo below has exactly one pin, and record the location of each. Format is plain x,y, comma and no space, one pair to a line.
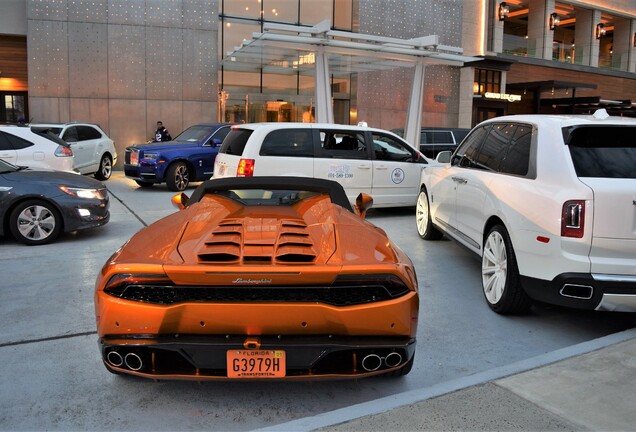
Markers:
373,362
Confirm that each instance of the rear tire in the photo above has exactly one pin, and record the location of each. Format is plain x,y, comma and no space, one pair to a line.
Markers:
500,274
35,222
423,221
105,168
178,177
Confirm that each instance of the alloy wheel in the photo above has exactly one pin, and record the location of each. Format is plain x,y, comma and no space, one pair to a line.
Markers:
494,267
36,223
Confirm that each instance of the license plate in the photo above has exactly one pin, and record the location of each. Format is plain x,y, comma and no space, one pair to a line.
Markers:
255,364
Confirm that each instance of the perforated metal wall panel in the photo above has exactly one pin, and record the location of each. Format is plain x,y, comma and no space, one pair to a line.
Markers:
164,55
199,65
55,10
200,14
48,60
88,59
164,13
126,61
89,11
131,12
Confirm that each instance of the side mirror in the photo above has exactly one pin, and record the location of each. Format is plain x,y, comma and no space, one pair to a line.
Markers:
216,142
444,157
180,201
363,203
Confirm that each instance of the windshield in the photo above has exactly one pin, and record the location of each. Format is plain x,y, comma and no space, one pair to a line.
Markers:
194,134
269,197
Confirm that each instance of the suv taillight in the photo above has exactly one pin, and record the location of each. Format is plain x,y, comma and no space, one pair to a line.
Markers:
63,151
245,168
573,219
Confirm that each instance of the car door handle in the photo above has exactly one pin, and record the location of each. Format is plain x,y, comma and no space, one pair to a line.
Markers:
460,180
364,167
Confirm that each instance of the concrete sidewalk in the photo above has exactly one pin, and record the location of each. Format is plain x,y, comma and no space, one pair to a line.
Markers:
590,386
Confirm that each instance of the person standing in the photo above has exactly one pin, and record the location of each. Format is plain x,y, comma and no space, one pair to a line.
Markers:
162,134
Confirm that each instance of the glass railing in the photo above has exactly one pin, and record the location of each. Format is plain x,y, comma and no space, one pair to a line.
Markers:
515,45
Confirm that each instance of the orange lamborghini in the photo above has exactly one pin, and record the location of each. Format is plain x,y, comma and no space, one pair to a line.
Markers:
259,278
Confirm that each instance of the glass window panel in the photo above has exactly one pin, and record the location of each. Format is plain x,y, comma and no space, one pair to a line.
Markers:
242,8
234,33
314,11
280,83
343,15
281,10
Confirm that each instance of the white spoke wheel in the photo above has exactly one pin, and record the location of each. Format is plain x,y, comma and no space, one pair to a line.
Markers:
35,222
500,274
423,221
178,177
105,168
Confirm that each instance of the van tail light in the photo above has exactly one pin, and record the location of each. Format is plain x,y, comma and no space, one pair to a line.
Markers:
63,151
573,219
245,168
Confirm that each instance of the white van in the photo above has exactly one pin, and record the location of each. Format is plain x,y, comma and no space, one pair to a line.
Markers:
361,159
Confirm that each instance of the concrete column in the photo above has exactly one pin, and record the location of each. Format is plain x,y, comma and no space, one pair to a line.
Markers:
414,113
622,44
324,109
466,81
497,29
586,44
540,36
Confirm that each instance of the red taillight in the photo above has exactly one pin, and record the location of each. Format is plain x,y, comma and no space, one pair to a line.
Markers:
63,151
573,219
245,168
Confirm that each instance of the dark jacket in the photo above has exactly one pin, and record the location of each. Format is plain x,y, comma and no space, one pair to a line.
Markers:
162,135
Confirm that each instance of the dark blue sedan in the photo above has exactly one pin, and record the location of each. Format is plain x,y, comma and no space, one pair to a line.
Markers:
187,158
37,205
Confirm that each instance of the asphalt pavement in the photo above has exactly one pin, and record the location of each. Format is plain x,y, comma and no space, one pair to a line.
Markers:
589,386
555,369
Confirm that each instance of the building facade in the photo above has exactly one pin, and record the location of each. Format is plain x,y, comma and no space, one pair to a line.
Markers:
127,64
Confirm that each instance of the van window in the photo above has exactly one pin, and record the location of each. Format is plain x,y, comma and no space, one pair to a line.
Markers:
387,148
234,142
602,151
436,137
342,145
288,142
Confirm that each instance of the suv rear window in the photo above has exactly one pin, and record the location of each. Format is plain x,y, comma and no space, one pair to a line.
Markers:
234,142
602,151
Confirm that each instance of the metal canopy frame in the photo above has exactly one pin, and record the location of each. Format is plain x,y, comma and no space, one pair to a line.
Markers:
320,51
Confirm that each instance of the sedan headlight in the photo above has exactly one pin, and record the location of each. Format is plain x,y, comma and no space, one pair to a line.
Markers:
83,193
151,156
